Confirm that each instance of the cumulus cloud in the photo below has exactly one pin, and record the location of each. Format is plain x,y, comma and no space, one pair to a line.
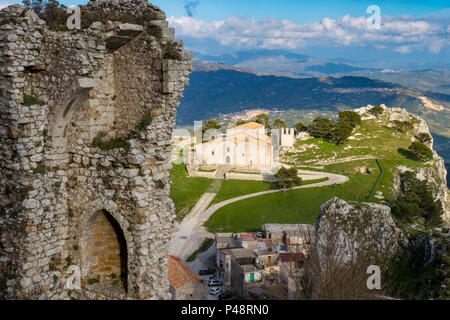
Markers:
402,33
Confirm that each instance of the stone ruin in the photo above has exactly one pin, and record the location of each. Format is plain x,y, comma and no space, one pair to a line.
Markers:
86,125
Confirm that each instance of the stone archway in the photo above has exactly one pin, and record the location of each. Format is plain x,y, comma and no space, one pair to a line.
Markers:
105,252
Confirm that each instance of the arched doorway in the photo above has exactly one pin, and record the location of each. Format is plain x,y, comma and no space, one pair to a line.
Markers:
107,256
228,159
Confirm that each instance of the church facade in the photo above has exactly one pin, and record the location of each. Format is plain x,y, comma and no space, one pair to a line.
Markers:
246,146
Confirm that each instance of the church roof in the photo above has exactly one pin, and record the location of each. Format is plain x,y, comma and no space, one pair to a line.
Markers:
250,125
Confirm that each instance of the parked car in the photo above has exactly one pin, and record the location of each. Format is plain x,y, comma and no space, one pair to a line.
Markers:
259,234
211,280
206,272
215,290
225,296
214,283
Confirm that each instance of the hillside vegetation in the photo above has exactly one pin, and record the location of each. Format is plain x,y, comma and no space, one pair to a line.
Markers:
375,138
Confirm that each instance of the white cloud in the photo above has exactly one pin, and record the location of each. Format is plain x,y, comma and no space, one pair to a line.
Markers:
403,49
402,33
4,4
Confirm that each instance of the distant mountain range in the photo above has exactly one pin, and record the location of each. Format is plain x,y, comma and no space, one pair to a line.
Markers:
282,63
294,65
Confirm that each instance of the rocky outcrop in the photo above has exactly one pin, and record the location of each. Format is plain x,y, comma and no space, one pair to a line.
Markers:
86,121
349,229
436,174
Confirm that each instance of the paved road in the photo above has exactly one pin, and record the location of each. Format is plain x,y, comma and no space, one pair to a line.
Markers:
189,235
191,231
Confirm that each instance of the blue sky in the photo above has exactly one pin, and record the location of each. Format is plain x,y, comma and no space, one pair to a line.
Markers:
411,31
299,11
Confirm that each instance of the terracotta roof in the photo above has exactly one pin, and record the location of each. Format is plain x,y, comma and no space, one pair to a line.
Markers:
291,256
250,125
180,274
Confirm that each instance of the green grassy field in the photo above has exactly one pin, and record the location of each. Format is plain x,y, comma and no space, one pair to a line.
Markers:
185,191
294,206
235,188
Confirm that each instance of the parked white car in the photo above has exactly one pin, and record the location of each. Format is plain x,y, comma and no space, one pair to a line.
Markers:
214,283
215,290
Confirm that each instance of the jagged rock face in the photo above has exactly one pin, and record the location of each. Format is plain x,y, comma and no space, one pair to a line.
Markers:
435,176
60,193
346,229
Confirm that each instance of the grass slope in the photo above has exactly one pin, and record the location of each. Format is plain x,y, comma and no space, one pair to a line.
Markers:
295,206
185,191
235,188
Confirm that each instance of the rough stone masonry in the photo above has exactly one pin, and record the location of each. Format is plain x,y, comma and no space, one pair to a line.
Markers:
86,122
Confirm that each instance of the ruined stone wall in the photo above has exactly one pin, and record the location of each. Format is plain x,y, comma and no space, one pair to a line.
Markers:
60,92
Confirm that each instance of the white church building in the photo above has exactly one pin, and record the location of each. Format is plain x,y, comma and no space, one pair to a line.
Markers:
246,146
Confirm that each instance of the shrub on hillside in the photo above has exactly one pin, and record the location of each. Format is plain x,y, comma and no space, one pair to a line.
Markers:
415,200
424,137
376,111
402,126
351,117
300,127
340,132
420,150
321,127
240,122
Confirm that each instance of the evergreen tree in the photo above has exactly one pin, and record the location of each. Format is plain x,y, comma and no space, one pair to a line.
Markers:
278,124
210,124
351,117
420,150
320,127
288,178
300,127
263,119
340,132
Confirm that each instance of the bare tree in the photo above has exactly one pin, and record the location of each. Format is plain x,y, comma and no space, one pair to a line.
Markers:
335,268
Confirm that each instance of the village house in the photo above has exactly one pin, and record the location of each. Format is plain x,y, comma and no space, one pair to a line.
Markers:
244,273
248,241
295,237
268,262
223,264
185,284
